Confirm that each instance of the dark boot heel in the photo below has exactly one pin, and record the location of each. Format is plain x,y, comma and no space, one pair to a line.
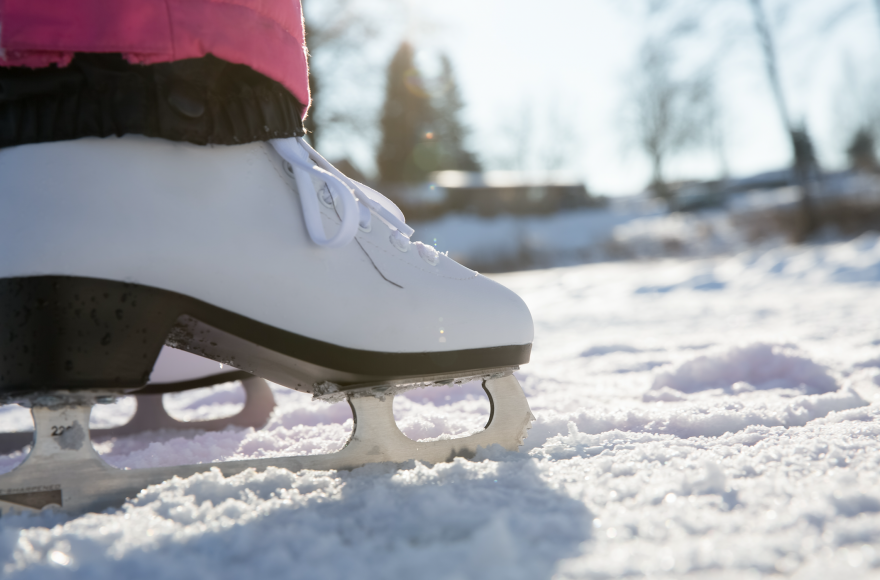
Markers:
59,332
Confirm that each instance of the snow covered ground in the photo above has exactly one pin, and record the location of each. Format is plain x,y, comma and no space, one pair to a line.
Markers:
712,418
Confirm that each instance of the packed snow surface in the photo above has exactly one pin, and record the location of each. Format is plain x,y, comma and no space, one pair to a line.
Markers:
714,418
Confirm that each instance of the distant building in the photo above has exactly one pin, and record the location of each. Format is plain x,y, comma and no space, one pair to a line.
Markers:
489,194
697,195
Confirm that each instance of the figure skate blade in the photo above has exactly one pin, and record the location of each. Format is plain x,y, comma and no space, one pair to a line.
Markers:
63,469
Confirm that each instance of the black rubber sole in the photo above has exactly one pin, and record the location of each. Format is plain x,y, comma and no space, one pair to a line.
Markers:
60,332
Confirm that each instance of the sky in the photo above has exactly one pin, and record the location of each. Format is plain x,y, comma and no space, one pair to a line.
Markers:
558,71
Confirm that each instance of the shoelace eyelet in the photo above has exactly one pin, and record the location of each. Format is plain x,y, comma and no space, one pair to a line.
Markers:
288,169
366,228
399,241
325,197
428,253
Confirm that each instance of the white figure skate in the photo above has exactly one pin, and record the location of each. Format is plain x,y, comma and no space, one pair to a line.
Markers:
259,256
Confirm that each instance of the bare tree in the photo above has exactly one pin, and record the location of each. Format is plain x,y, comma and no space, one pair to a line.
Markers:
805,166
544,140
668,114
877,4
862,152
857,113
707,17
335,31
561,143
517,134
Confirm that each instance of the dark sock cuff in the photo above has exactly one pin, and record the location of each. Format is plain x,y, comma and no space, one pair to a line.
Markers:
202,100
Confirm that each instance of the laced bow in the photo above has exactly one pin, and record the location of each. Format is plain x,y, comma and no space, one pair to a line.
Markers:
354,201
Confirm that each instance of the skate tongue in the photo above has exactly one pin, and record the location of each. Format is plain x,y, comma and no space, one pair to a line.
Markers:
358,201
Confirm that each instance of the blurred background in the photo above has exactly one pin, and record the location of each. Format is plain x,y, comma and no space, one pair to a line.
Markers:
519,135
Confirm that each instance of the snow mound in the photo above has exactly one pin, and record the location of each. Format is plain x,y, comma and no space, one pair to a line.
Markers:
457,520
600,350
684,234
686,419
855,261
757,366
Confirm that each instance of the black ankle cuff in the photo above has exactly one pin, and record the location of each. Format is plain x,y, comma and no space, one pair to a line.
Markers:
202,100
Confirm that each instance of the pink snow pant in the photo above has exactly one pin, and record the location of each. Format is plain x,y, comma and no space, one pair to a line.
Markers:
266,35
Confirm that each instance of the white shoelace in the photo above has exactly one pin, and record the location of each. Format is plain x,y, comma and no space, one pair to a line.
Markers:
354,201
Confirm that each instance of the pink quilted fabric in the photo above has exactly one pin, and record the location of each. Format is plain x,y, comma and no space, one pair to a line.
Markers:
266,35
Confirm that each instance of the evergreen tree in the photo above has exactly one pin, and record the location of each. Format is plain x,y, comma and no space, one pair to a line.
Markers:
406,122
450,134
862,152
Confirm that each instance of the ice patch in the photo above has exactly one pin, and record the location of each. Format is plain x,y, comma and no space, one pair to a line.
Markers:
764,366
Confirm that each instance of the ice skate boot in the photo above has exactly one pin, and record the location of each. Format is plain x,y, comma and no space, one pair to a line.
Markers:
176,371
260,256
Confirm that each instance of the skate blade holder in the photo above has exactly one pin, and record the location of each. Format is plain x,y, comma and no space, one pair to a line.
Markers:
151,415
63,470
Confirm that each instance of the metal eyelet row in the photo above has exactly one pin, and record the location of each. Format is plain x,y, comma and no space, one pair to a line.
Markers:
324,195
398,240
